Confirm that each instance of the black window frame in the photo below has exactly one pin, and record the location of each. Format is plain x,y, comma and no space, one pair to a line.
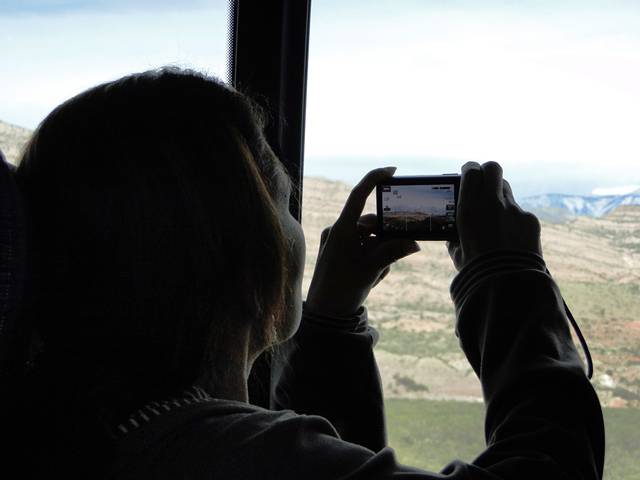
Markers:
268,54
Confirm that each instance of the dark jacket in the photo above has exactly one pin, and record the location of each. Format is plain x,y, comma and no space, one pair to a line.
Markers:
543,418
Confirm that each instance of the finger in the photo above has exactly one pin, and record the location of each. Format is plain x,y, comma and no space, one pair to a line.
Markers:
358,196
455,252
382,276
387,252
508,194
370,243
451,246
492,179
324,236
368,224
470,166
470,183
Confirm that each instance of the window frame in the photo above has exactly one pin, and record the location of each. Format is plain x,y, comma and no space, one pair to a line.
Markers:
268,55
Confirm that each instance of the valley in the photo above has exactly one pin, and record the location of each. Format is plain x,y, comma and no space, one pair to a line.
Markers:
596,262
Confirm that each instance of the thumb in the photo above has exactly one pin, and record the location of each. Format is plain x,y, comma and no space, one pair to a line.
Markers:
392,250
455,252
323,237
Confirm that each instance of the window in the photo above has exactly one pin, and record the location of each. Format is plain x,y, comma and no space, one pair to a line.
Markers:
53,50
548,90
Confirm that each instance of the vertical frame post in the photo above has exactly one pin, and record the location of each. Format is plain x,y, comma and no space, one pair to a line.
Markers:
269,43
268,61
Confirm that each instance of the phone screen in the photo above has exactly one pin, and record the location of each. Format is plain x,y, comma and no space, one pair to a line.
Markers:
418,209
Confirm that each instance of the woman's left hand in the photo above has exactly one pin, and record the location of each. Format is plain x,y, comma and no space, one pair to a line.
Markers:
351,261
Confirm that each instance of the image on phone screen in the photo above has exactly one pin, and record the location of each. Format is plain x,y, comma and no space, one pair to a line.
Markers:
420,209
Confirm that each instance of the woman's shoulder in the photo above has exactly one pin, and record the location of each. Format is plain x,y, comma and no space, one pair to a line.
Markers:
229,439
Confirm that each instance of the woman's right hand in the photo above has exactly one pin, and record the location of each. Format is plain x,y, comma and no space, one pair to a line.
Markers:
352,260
489,218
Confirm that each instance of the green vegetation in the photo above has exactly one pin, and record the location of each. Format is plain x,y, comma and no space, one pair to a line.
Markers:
600,301
623,444
429,434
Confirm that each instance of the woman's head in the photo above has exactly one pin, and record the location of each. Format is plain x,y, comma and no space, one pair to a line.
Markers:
159,231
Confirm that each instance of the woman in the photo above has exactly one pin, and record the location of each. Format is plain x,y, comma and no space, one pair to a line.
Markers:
165,261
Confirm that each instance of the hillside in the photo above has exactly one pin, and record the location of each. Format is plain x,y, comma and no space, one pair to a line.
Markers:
12,139
596,262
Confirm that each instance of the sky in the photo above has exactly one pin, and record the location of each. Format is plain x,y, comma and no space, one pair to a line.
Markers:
54,49
551,89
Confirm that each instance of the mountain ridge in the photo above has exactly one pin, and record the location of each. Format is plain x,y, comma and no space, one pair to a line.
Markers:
556,207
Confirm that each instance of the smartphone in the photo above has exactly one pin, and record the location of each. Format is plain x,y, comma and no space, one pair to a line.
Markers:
418,207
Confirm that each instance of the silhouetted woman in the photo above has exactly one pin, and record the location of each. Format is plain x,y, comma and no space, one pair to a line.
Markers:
164,260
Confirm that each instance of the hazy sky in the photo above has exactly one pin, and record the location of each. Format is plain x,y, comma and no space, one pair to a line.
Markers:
551,89
53,49
548,88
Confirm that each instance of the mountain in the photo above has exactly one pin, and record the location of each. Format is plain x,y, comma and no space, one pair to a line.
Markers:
12,139
556,207
595,261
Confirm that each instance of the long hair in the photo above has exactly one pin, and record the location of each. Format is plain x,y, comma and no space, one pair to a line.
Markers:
153,235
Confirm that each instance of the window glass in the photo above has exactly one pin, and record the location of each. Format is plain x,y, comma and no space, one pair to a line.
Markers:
52,50
549,90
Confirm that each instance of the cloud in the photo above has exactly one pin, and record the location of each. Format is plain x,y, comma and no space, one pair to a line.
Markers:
56,7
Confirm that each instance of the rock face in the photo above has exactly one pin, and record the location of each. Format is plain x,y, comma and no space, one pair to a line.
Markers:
12,139
595,260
